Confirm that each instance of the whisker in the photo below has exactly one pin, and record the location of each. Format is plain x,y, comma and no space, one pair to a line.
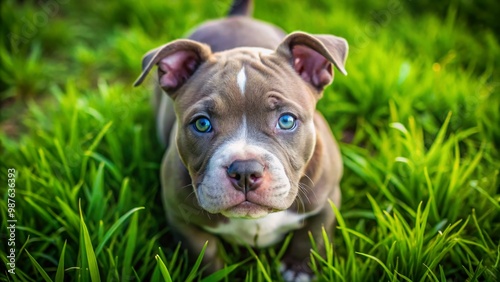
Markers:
300,201
310,188
189,195
304,189
186,186
310,179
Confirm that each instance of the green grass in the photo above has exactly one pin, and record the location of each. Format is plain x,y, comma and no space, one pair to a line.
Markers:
420,106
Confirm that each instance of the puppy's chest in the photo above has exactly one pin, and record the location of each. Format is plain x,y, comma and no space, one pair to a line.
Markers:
261,232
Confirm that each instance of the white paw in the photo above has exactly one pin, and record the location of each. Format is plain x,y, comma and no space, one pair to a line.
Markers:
290,275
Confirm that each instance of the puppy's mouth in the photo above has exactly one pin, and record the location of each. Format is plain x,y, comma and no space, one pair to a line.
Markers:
247,209
243,181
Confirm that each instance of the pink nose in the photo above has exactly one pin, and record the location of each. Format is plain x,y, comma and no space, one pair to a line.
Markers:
245,175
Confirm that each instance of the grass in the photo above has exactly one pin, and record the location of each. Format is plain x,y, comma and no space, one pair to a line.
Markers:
420,109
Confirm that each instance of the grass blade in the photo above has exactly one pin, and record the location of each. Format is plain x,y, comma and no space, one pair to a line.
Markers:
163,269
114,227
97,204
260,266
60,266
389,273
192,275
130,247
39,268
89,251
223,273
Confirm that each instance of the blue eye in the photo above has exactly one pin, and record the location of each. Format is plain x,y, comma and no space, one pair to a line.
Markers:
202,125
286,122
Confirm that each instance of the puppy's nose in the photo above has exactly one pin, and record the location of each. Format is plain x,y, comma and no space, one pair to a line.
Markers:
245,175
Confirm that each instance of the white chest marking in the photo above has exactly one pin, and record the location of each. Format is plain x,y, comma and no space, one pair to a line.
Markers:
242,80
260,232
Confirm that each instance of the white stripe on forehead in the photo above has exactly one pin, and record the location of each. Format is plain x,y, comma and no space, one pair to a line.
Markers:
242,80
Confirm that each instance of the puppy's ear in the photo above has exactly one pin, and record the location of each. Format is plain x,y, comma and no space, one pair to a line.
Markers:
312,56
177,61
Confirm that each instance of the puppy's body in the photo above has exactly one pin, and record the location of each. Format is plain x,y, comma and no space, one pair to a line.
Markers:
248,157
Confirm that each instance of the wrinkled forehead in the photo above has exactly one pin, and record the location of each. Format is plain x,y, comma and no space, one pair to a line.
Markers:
249,75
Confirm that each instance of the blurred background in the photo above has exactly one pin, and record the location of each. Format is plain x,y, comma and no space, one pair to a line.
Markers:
418,117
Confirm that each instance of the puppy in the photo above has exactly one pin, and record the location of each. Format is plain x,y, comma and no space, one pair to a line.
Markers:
248,158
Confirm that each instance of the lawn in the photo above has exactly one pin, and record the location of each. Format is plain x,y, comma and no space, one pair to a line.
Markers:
418,118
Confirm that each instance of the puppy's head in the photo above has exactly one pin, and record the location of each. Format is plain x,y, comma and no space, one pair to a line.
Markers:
245,128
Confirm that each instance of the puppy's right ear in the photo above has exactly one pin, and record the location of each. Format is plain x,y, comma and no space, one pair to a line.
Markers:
177,61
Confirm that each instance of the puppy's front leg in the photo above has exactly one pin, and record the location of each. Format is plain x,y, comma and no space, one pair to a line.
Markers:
183,213
297,257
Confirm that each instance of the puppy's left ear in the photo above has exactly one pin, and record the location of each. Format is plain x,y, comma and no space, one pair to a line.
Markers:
312,56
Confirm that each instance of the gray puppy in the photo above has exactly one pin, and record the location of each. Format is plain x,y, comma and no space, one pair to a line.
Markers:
248,159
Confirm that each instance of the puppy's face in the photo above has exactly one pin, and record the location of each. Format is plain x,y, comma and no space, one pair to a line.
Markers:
245,128
245,132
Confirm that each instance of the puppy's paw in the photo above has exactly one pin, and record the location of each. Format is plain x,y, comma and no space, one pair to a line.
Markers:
294,274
